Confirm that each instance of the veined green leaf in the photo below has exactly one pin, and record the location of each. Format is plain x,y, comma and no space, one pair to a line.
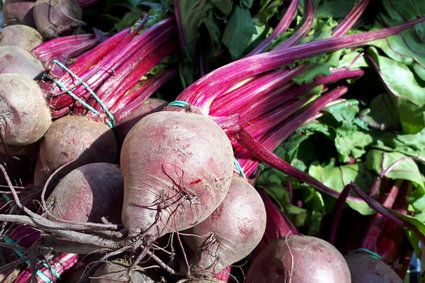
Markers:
338,177
394,165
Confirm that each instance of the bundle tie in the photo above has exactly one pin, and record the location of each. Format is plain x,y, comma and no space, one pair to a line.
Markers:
369,252
6,197
239,169
178,103
39,273
110,121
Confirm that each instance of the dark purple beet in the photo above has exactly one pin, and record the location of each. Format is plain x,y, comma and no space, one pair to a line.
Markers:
299,259
77,139
19,12
367,269
230,233
56,17
88,193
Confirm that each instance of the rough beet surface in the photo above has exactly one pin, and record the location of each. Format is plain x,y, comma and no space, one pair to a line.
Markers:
56,17
299,259
19,12
22,36
230,233
89,193
77,139
14,59
24,115
177,169
127,120
367,269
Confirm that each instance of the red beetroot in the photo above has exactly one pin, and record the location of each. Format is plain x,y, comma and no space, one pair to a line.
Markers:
77,139
24,114
230,233
125,124
54,17
367,269
23,36
19,12
95,188
299,259
14,59
177,168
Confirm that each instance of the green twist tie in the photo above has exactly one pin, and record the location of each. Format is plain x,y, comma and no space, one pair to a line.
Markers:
111,121
372,254
239,169
6,197
39,273
178,103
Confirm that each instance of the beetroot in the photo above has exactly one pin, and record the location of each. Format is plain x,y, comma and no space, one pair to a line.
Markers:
125,124
77,139
230,233
25,115
367,269
55,17
299,259
177,168
96,189
22,36
14,59
19,12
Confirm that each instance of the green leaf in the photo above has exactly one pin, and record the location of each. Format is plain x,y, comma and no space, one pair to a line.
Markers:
269,8
128,20
406,47
351,133
238,31
192,13
247,4
406,90
381,113
394,165
110,5
344,112
408,144
354,60
321,66
225,6
315,206
419,71
416,199
337,178
335,9
298,147
351,144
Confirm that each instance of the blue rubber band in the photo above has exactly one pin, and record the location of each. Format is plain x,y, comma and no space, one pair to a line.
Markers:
239,169
372,254
178,103
39,273
111,121
6,197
